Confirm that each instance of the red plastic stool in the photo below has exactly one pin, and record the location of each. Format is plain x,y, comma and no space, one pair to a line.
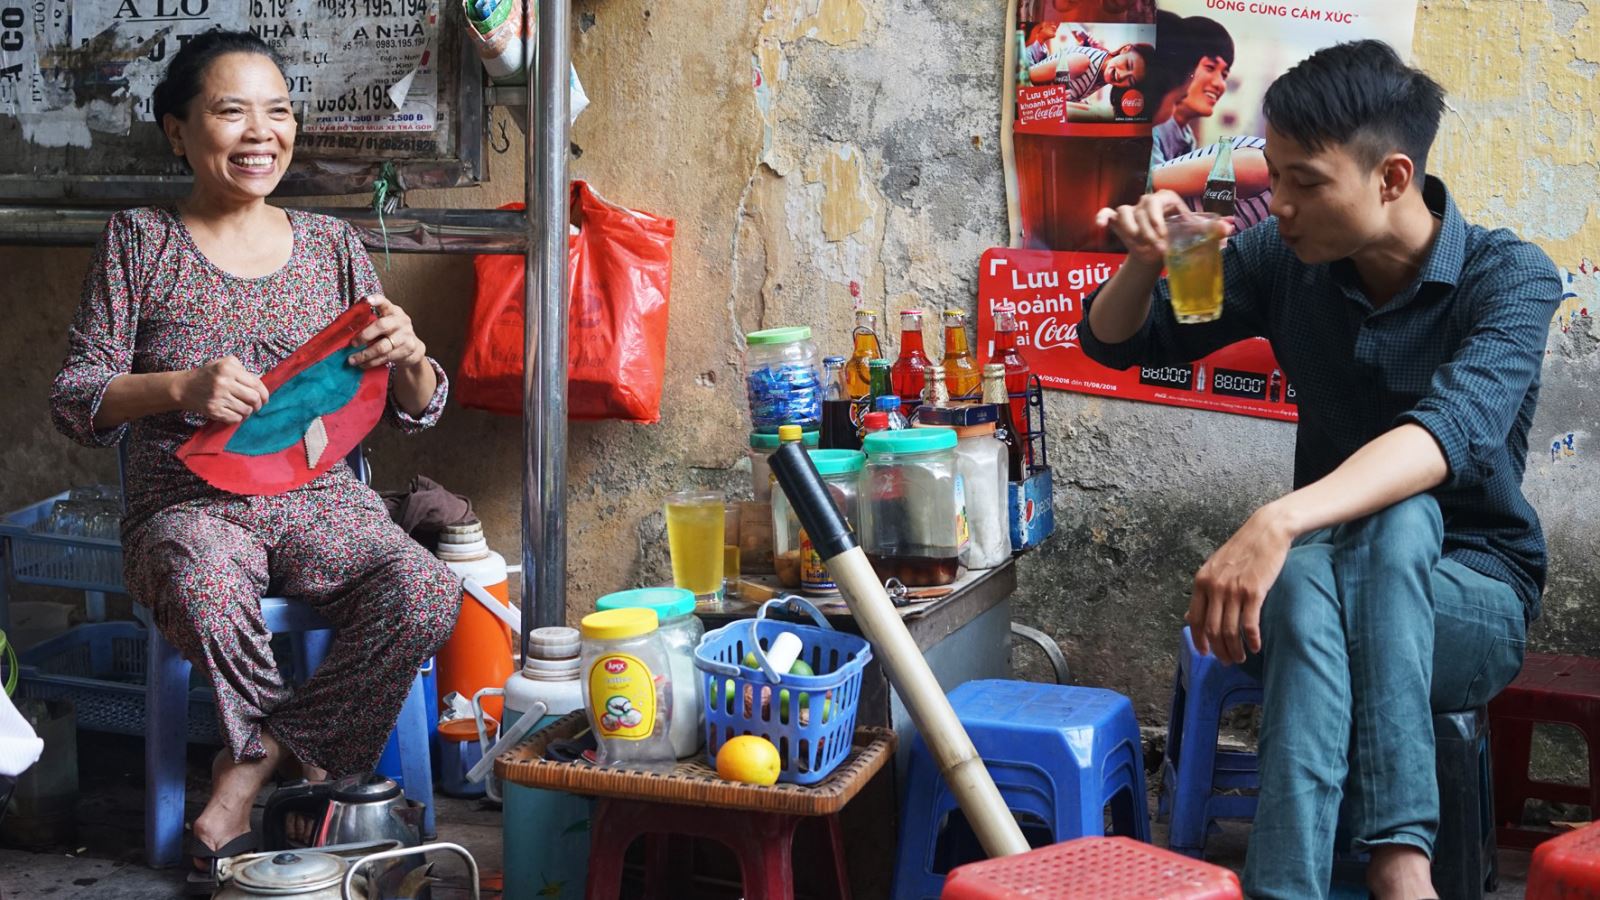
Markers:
1566,867
762,841
1551,689
1093,868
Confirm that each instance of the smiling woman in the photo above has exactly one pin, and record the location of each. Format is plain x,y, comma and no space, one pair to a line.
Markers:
183,309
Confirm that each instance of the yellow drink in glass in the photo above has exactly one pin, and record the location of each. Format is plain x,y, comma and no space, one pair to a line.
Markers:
695,537
1194,267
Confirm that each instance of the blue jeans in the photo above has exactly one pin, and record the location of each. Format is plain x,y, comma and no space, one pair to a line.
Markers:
1366,633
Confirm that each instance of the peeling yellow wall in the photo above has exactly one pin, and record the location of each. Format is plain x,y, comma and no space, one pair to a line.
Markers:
1519,145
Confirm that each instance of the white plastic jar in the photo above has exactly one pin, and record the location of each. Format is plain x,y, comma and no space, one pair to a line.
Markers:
981,462
680,631
627,690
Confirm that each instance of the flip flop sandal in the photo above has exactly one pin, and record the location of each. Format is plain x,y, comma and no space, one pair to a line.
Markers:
205,883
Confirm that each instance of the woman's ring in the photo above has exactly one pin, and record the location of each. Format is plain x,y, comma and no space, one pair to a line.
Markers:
391,344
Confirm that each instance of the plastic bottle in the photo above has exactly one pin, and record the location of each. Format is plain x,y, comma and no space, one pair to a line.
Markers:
890,404
478,653
680,631
627,690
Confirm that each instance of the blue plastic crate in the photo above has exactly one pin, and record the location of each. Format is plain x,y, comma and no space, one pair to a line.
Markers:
812,739
84,563
101,667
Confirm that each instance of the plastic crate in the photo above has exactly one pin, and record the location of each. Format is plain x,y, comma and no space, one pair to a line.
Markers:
100,668
84,563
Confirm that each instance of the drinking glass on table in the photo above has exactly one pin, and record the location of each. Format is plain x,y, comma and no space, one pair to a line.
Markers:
695,538
1194,266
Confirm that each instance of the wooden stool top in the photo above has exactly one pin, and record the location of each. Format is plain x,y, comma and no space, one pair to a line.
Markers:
692,782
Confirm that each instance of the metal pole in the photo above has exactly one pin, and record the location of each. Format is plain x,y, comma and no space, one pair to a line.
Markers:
544,383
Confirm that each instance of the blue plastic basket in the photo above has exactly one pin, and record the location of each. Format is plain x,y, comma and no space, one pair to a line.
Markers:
69,561
812,739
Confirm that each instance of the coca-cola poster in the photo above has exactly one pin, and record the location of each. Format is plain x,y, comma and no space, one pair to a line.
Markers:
1111,98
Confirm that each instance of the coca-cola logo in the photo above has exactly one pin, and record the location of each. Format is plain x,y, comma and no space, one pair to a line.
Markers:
616,666
1132,103
1052,334
1224,194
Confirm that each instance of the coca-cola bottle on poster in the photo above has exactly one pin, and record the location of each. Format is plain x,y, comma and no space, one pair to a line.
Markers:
1221,190
907,372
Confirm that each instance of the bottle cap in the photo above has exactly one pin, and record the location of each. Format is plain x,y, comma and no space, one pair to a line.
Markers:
554,643
886,403
875,421
617,624
877,364
779,335
789,434
833,361
911,312
759,441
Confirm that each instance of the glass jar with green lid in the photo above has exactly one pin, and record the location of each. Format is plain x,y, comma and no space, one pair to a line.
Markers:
627,689
783,379
913,506
797,562
680,631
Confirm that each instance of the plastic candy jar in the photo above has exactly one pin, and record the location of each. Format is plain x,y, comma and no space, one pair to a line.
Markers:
627,691
783,379
793,553
680,631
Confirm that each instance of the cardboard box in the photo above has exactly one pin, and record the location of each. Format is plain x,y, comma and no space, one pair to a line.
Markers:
1033,510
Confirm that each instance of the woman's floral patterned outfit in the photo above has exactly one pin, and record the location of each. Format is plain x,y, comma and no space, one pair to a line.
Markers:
201,558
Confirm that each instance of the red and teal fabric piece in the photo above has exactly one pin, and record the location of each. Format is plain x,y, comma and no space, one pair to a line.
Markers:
319,407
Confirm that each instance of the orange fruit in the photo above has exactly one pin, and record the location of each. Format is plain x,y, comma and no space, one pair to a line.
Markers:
750,759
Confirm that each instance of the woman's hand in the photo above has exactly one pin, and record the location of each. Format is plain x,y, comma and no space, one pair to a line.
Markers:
389,340
221,390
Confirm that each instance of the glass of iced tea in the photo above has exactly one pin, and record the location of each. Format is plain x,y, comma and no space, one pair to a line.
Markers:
1194,266
695,538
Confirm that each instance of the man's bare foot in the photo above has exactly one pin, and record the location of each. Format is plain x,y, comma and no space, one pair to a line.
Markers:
1400,872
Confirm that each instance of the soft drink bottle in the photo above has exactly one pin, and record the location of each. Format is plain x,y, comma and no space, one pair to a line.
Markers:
838,417
907,372
994,392
960,368
1221,189
889,403
857,376
1008,343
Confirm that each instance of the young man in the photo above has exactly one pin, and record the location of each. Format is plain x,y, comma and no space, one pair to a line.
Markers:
1209,50
1398,577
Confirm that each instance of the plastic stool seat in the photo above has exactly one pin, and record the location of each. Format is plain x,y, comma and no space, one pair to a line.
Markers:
1094,868
1059,755
1562,690
1566,867
167,709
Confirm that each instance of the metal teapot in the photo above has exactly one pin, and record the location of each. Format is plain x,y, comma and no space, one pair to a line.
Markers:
332,873
352,809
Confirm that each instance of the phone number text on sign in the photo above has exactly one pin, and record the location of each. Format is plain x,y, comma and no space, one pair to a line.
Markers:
1047,289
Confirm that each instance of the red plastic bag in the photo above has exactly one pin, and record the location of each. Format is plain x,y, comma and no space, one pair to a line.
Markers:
620,276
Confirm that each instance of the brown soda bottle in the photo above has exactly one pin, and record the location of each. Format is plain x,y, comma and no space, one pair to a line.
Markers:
857,376
907,372
994,393
838,417
961,372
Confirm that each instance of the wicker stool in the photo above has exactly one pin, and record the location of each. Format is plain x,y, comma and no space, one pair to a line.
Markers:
1567,867
1095,868
1552,689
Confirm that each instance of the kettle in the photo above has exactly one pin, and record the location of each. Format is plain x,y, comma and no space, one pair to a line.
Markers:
331,873
355,808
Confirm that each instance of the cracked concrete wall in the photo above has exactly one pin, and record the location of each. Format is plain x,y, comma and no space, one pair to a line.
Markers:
817,151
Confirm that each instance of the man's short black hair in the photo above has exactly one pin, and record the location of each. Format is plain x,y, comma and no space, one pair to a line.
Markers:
1206,37
1360,95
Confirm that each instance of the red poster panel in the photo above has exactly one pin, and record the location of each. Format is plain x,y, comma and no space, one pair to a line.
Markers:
1047,289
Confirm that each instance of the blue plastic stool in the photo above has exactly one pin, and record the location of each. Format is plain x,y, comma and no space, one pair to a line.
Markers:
1059,754
167,715
1194,771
